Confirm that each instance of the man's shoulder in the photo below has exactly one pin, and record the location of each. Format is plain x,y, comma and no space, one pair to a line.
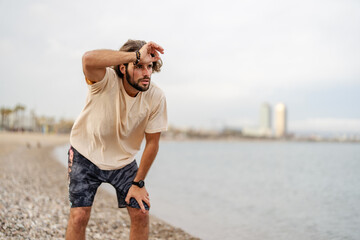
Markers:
111,77
111,72
104,85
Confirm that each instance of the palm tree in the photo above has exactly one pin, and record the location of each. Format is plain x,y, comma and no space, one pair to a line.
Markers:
2,112
18,119
5,112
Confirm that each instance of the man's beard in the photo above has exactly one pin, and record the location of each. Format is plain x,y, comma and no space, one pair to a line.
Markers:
136,85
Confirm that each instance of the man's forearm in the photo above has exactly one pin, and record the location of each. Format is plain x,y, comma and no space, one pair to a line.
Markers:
96,61
107,58
147,159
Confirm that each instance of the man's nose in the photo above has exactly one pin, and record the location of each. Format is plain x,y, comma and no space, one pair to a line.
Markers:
146,71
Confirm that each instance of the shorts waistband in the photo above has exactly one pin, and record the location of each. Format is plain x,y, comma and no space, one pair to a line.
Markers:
85,161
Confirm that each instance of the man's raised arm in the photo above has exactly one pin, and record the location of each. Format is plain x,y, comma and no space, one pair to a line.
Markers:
95,62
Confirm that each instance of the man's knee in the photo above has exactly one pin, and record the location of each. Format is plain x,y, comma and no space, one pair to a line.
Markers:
80,216
138,217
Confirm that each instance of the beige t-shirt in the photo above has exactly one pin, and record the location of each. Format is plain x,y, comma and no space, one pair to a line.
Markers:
112,125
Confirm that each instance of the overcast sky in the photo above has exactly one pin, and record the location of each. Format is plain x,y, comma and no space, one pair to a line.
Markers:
222,59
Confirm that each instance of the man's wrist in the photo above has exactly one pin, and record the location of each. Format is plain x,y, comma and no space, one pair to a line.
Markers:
139,184
137,56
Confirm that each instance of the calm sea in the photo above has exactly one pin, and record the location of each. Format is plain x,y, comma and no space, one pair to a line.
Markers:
257,190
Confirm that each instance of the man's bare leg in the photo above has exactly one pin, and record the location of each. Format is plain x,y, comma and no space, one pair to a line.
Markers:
78,220
139,229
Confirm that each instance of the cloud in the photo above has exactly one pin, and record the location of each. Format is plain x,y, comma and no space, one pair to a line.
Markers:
222,58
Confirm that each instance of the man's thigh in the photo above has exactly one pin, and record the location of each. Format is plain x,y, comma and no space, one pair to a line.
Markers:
83,180
121,180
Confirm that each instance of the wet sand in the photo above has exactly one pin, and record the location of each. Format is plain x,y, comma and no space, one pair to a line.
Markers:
34,195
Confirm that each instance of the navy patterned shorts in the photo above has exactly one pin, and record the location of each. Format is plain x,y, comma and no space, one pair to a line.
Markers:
85,178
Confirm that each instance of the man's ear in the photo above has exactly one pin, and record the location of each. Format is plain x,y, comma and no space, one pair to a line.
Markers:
122,68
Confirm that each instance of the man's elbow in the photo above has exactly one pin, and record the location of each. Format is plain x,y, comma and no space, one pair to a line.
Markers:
87,59
90,59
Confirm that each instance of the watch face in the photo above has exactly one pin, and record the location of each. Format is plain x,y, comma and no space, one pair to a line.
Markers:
140,183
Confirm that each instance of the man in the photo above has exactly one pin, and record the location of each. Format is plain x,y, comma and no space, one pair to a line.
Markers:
122,107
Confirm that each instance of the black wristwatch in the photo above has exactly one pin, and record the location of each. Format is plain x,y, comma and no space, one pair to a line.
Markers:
140,183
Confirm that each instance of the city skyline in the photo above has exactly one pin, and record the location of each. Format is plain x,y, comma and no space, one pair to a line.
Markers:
269,127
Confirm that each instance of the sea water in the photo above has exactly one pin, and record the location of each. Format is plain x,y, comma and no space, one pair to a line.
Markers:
256,190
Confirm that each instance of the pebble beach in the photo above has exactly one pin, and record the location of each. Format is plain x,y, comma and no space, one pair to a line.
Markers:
33,195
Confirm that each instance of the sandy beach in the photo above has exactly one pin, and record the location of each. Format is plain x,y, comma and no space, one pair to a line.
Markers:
33,195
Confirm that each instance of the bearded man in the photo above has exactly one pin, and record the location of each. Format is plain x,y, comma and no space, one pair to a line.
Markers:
122,107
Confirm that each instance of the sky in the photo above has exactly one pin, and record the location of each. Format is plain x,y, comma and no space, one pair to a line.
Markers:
222,60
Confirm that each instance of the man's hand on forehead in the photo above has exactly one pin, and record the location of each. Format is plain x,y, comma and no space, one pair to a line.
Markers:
150,52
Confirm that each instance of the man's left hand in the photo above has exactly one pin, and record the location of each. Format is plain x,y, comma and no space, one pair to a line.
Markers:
150,52
140,195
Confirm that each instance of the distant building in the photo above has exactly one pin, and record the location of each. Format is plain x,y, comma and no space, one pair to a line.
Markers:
280,120
264,127
265,119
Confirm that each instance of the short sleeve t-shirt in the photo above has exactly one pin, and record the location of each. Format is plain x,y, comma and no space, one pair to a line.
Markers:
112,125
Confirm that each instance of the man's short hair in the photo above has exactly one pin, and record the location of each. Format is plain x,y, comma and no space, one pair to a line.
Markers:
133,46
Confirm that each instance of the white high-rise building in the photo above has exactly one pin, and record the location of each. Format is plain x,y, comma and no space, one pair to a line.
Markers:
280,120
265,119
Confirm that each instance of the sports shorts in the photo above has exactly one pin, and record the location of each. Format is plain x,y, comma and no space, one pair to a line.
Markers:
85,178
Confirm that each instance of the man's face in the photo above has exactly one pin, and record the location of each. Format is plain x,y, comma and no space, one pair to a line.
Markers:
139,76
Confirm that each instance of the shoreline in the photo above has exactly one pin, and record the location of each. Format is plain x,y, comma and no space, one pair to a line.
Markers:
34,192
